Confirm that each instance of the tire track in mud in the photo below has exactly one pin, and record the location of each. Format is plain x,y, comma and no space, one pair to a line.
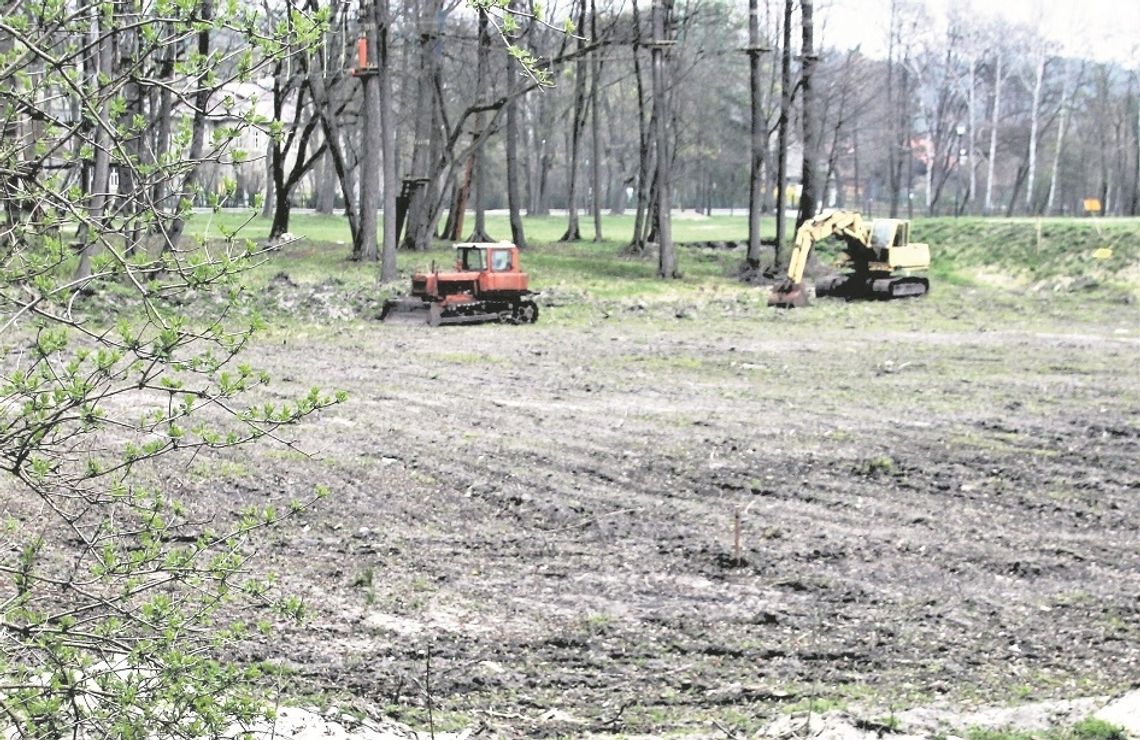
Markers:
554,509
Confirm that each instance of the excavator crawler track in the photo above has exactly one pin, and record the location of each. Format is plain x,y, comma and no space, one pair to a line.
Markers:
902,287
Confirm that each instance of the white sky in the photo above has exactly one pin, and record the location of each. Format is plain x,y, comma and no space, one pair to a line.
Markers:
1095,29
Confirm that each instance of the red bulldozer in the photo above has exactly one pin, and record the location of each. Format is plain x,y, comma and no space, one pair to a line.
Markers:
486,285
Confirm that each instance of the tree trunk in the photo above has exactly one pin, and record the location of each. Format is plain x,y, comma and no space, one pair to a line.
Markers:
518,235
453,226
1103,92
267,205
892,151
905,176
417,234
1034,122
1062,117
595,125
1135,210
437,145
644,152
281,204
540,160
1018,183
161,139
133,146
666,257
616,163
808,195
971,135
758,134
297,142
371,134
197,129
545,163
388,268
578,121
480,232
782,136
101,172
326,185
996,113
330,125
280,198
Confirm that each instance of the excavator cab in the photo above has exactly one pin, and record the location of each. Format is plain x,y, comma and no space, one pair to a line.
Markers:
888,232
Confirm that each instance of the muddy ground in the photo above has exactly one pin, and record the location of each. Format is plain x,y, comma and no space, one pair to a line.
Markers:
532,528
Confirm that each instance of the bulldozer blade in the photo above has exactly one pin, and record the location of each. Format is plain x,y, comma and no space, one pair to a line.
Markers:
788,295
405,311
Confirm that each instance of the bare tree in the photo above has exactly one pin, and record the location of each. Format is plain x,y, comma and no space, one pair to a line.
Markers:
645,125
388,269
1135,209
809,115
666,256
1062,118
782,135
480,171
1039,57
371,131
595,125
331,128
995,119
758,132
418,183
518,235
577,123
98,194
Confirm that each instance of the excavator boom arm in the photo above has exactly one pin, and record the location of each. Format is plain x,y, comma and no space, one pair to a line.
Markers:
846,224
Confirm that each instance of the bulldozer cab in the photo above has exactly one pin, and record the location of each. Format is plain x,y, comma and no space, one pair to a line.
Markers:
483,257
470,259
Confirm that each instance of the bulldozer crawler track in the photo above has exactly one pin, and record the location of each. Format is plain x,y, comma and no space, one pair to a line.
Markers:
438,313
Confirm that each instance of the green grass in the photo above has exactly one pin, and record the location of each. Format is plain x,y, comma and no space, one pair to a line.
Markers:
1059,252
1075,256
585,270
1005,259
1044,247
1086,729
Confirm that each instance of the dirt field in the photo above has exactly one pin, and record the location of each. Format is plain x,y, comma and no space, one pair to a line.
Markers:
533,526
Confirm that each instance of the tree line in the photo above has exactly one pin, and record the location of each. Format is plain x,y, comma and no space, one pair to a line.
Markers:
725,108
429,108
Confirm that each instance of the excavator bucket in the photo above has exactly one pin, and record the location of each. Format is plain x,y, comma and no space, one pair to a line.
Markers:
407,311
788,295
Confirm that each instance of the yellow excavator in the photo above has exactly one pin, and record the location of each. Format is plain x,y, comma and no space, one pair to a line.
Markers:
878,260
